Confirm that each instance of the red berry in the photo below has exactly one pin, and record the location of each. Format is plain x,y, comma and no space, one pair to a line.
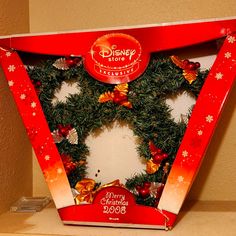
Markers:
197,65
144,192
77,60
70,62
138,188
146,184
38,83
118,97
191,66
63,131
157,158
159,151
117,100
186,62
164,155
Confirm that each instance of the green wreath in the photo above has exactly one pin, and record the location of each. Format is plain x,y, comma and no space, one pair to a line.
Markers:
147,113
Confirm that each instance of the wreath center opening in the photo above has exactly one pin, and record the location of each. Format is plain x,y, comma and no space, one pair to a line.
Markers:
113,154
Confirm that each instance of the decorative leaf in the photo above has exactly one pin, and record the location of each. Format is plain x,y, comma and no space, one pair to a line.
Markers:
126,104
61,64
151,167
105,97
190,75
122,88
178,62
72,136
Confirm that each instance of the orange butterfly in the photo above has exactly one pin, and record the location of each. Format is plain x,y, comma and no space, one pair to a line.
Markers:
189,68
118,96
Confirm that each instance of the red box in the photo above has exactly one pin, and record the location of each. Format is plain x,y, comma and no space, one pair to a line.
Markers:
121,75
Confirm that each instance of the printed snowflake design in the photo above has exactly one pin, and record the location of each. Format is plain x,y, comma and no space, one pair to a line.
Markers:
231,39
219,76
180,179
59,170
184,153
209,118
33,104
22,96
228,55
10,83
47,158
199,132
11,68
34,114
8,54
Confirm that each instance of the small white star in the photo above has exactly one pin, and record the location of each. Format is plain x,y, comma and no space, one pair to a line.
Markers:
59,170
34,114
228,55
11,68
8,54
180,179
209,118
184,153
199,132
47,158
219,76
22,96
231,39
10,83
33,104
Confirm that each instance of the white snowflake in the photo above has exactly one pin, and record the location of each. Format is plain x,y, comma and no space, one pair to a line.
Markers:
59,170
10,83
34,114
65,91
180,179
209,118
231,39
47,157
219,76
8,54
33,104
199,132
228,55
22,96
184,153
11,68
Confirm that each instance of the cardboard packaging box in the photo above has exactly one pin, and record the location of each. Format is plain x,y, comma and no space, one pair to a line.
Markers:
161,86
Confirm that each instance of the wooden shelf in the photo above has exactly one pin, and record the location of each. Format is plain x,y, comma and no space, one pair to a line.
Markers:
196,218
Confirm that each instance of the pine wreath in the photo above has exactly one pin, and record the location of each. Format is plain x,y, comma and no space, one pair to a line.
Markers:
141,104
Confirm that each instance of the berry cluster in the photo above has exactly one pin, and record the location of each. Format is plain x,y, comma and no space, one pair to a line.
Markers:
144,190
159,156
190,65
71,61
64,130
69,165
